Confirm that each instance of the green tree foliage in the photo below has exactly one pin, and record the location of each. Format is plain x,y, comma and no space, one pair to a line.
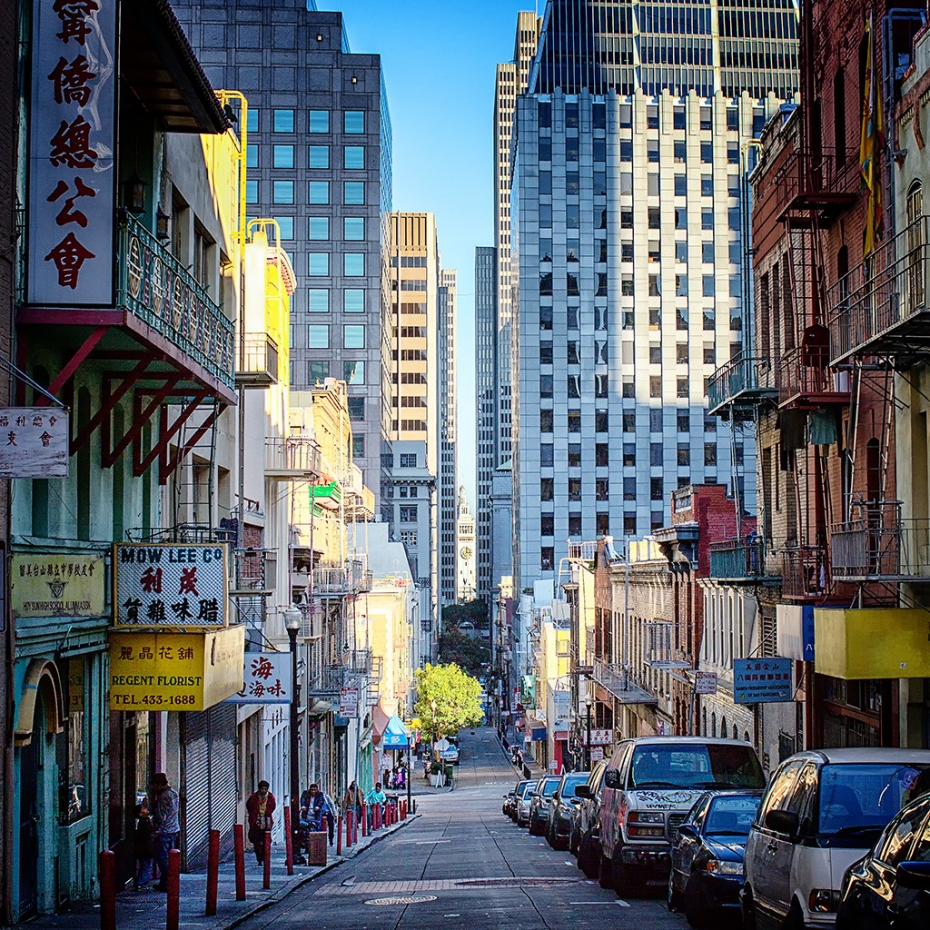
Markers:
457,696
470,652
474,611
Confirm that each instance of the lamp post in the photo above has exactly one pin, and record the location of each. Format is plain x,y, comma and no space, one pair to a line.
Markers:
587,754
292,621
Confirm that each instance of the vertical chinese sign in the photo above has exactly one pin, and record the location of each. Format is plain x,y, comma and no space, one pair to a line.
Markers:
72,142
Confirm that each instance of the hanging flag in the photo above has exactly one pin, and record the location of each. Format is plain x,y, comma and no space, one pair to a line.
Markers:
871,143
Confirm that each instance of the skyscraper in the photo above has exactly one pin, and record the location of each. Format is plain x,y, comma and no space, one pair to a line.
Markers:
319,161
448,426
632,146
486,394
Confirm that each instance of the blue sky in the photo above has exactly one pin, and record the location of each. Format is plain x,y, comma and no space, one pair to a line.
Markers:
438,59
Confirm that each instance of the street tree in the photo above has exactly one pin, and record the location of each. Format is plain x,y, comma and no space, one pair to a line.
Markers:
448,699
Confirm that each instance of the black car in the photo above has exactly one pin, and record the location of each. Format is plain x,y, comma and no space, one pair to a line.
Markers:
890,887
541,805
564,801
585,839
707,855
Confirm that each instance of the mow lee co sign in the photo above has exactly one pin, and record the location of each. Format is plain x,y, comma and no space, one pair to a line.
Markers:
170,586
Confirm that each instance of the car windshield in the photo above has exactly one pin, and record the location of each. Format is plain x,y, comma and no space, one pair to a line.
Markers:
572,782
731,816
692,765
525,790
548,786
863,797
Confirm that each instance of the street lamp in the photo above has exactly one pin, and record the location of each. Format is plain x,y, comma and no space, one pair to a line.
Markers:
587,704
292,621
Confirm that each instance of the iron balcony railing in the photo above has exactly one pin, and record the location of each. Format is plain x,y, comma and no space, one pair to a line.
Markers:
737,559
155,287
744,381
804,572
328,680
880,546
258,362
620,683
341,580
812,182
882,306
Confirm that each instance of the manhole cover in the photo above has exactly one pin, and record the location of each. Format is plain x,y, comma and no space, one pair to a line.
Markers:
402,899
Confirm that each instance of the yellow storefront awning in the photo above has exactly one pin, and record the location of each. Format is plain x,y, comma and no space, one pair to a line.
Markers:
175,671
872,643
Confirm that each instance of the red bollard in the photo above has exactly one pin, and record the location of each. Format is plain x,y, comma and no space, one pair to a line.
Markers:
288,841
239,846
350,828
364,816
403,810
173,918
339,836
106,864
266,873
213,872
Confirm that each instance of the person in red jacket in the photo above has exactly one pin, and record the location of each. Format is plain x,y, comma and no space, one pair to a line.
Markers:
260,807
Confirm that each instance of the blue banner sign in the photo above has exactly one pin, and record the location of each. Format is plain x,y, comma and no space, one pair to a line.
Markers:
762,681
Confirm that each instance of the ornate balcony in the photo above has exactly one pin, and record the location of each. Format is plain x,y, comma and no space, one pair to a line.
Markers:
258,365
882,308
739,560
740,386
158,290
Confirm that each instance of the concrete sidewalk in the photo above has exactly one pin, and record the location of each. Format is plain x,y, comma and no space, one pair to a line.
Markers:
146,910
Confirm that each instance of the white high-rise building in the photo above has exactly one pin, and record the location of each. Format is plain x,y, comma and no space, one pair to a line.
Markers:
630,229
448,472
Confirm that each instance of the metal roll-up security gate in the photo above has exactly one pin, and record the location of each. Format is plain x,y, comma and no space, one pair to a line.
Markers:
209,774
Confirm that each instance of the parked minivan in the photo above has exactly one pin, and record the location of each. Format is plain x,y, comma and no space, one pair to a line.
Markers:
649,786
822,811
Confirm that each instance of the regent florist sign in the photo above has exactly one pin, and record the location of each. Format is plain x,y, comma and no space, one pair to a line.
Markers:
175,671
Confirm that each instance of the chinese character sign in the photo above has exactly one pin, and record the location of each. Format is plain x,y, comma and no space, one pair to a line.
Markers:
34,442
169,585
47,585
348,702
266,679
72,131
762,681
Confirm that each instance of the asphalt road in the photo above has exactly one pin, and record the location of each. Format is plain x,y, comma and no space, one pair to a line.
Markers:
462,864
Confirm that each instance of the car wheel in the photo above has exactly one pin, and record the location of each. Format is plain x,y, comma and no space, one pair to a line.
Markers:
625,882
573,842
586,859
674,898
534,827
748,911
795,919
605,873
697,917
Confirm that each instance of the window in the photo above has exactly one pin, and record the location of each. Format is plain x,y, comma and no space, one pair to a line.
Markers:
251,155
317,371
356,407
285,226
629,454
684,422
545,385
353,193
353,228
319,264
681,251
681,387
354,264
318,301
319,228
408,513
283,156
354,372
601,455
684,454
318,336
681,218
251,191
707,153
654,218
574,489
545,353
655,355
602,489
354,122
655,489
546,558
546,455
655,387
710,453
319,192
629,489
282,191
283,121
545,421
655,454
408,460
353,300
574,456
251,121
707,218
354,337
354,157
709,285
601,421
574,421
574,524
547,525
546,489
681,185
319,121
319,156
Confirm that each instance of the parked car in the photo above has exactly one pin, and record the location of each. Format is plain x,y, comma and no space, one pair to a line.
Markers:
822,811
585,836
650,785
540,806
510,799
891,885
564,801
451,754
522,805
707,855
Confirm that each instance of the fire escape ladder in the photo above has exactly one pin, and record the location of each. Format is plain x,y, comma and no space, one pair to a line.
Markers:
194,482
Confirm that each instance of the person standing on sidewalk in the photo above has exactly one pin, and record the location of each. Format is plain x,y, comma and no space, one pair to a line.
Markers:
165,823
260,808
375,796
353,802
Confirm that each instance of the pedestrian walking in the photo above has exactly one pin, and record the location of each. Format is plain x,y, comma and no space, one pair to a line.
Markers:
165,824
260,808
144,846
375,796
352,801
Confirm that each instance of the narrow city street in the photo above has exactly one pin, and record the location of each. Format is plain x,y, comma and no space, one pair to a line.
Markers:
463,864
